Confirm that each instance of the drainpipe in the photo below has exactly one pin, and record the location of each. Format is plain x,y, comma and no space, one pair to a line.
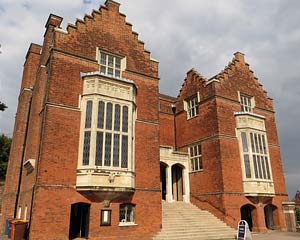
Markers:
174,113
23,154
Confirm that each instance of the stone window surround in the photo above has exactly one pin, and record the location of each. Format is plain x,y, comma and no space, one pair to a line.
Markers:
194,158
245,106
130,214
251,122
191,105
121,57
94,130
97,86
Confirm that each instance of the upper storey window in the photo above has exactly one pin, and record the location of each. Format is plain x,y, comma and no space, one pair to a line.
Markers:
255,154
195,158
191,106
110,64
246,103
106,140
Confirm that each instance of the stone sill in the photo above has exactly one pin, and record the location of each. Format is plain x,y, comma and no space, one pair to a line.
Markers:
127,224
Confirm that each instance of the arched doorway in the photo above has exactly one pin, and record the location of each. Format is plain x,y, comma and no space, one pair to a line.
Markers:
246,214
163,180
269,216
177,182
79,220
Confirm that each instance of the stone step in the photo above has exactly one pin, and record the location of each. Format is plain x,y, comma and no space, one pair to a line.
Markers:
183,221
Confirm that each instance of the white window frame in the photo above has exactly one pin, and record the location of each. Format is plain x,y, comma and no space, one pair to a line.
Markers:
246,102
117,66
196,163
255,154
129,216
94,129
191,106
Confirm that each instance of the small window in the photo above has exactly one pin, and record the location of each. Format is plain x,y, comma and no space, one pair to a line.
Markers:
246,105
196,158
110,64
127,213
192,107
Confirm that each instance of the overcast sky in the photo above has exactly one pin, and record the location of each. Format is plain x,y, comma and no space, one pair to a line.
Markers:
201,34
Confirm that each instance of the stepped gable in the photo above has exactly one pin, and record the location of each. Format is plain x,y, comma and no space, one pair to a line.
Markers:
193,83
107,29
237,76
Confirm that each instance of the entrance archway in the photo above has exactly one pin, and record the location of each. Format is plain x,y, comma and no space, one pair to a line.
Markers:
177,182
163,180
79,220
246,214
269,216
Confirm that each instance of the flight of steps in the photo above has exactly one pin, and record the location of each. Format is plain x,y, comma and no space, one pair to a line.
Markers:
182,221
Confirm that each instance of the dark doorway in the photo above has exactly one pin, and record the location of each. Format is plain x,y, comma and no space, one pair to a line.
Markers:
163,180
246,214
177,182
79,220
269,216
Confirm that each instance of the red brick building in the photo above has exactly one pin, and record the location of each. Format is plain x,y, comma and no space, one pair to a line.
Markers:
96,148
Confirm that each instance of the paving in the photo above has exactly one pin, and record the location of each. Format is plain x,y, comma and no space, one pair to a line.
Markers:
277,236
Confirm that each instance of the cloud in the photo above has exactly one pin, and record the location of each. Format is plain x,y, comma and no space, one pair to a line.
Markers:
181,35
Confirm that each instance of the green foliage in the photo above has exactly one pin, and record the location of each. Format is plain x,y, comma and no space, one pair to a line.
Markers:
5,143
2,106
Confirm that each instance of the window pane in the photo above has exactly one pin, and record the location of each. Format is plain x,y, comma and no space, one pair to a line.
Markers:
88,115
125,119
259,166
263,167
268,168
260,143
247,166
192,151
200,163
118,62
252,142
86,148
256,143
109,116
244,142
117,117
124,154
103,59
255,166
100,123
103,69
107,157
264,144
196,151
130,212
116,150
122,213
99,149
196,164
117,73
110,71
110,61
